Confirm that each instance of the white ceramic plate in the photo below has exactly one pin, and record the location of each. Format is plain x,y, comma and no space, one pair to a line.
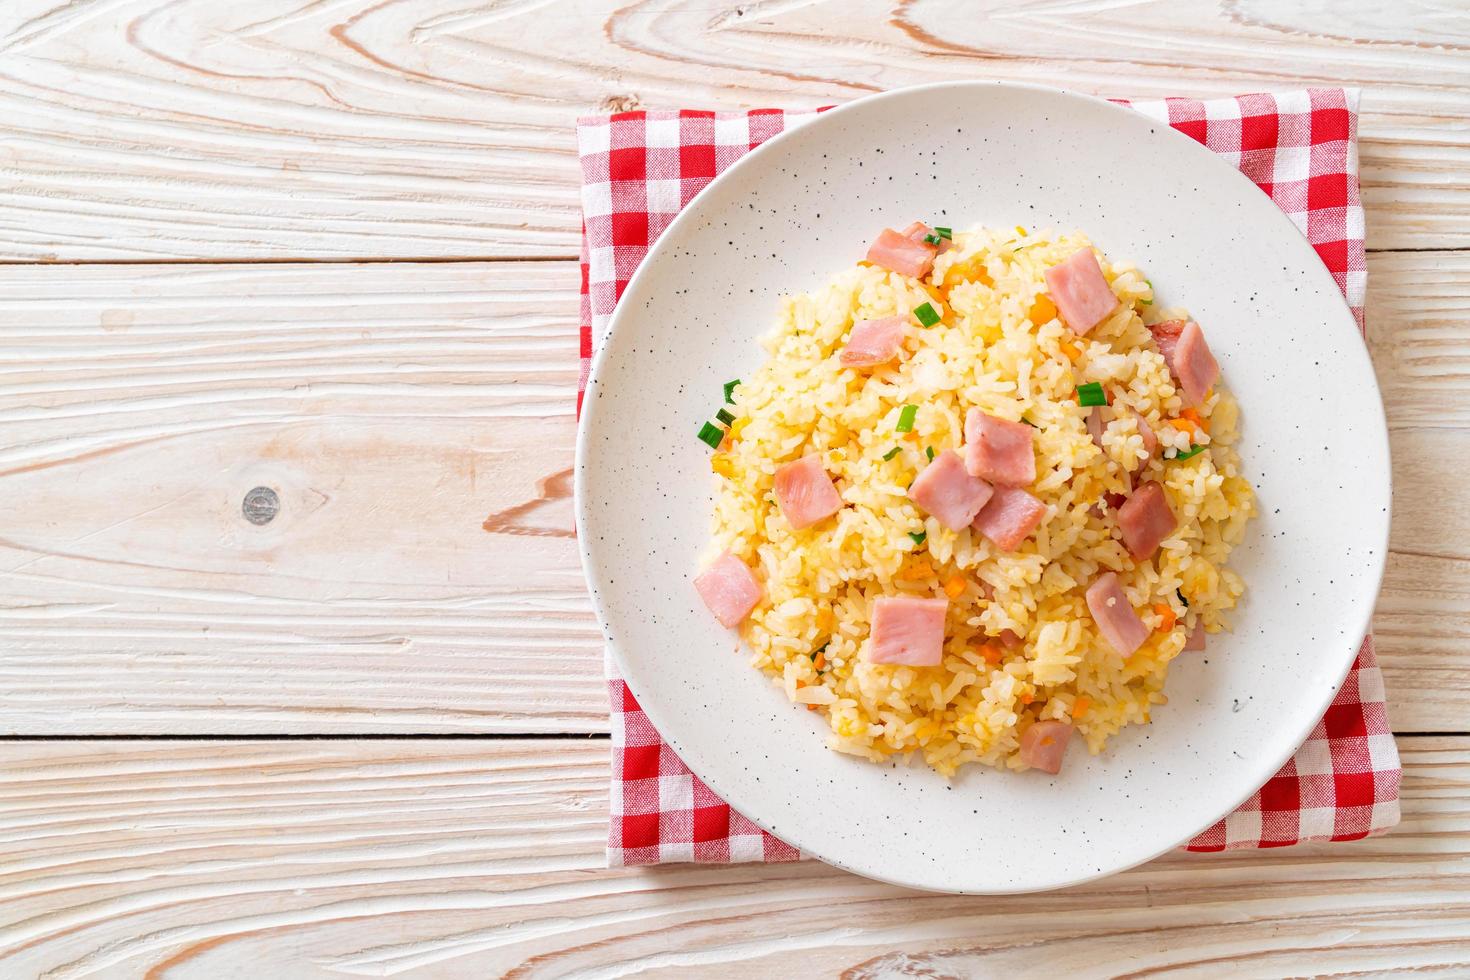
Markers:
806,204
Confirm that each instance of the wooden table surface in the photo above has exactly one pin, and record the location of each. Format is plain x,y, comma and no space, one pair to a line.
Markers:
328,247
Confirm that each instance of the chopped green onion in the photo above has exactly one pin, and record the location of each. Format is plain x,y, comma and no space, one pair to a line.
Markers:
926,315
932,239
892,453
1191,452
919,538
1183,601
711,435
906,418
1091,394
724,416
929,451
1029,422
730,387
944,233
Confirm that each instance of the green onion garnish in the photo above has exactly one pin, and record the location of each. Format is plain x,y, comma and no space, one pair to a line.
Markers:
926,315
1091,394
944,233
929,451
724,416
906,418
1191,452
932,239
892,453
919,538
711,435
730,387
1183,601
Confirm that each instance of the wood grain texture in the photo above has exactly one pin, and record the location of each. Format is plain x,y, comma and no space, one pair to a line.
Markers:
172,860
417,424
189,129
416,420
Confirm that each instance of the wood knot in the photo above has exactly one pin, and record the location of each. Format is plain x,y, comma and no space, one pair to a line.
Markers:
620,103
260,505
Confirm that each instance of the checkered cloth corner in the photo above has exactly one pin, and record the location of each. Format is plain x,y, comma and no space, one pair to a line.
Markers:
639,169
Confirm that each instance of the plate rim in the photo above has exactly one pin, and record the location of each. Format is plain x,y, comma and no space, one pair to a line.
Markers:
1226,171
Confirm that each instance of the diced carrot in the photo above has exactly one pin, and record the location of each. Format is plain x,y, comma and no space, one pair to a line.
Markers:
811,707
1183,425
820,661
1070,352
1080,706
1043,310
1026,697
992,652
1201,424
954,586
1167,619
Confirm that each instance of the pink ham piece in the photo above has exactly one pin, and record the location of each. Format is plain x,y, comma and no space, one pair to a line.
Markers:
1116,621
873,342
918,231
805,492
1166,338
1196,639
729,589
949,493
999,451
1009,516
1080,291
907,631
1095,425
1010,638
1044,744
1146,520
1194,365
898,253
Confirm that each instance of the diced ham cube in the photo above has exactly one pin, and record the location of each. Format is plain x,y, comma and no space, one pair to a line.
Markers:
1116,621
1080,291
1146,520
1166,337
897,252
873,342
918,231
1194,365
805,492
999,451
907,630
1009,516
1044,744
1196,639
1095,425
1182,343
1010,638
949,493
729,589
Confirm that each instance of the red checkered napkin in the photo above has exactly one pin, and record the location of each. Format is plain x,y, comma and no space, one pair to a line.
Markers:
640,168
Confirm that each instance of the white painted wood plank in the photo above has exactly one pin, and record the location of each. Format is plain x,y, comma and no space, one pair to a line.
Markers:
397,409
435,859
148,129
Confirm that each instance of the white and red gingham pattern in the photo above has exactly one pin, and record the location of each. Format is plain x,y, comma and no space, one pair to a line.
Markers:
640,168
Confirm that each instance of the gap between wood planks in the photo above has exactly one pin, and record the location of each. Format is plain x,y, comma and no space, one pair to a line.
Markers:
443,259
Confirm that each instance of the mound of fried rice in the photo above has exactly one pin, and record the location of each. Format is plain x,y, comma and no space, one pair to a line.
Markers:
1001,347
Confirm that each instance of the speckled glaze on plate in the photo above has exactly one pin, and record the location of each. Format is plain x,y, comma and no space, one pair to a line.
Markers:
1314,444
